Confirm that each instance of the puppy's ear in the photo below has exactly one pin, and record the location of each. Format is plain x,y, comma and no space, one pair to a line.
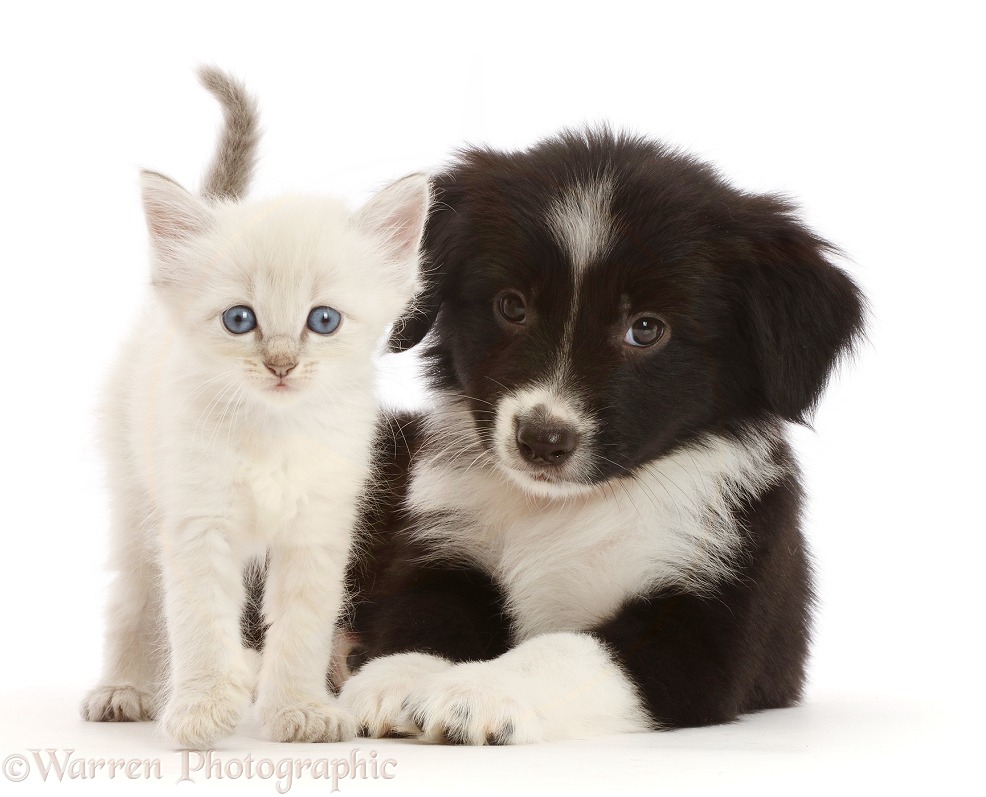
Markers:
411,329
802,313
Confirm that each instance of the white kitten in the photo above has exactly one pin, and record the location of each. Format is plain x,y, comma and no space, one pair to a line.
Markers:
238,424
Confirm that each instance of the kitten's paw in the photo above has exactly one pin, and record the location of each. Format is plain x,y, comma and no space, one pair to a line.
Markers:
118,704
376,694
316,721
474,703
196,719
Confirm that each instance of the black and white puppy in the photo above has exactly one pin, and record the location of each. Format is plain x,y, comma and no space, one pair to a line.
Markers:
597,530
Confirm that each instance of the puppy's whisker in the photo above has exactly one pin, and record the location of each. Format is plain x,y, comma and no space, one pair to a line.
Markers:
494,381
637,483
473,398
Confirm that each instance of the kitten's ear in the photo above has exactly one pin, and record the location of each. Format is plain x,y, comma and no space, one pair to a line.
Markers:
172,212
174,217
396,217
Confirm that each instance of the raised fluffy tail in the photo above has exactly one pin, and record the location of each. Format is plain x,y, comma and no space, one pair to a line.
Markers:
231,170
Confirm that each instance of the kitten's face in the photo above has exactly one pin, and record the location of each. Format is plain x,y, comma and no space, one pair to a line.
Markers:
286,307
288,299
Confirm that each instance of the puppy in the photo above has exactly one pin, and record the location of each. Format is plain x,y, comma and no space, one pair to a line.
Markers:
597,529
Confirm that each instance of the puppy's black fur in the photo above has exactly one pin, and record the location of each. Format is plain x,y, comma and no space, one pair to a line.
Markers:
754,317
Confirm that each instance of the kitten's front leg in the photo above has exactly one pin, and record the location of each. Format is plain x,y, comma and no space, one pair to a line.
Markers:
302,601
136,647
135,650
204,594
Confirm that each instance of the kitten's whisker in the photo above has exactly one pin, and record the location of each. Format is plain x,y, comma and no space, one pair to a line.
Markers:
222,417
202,386
213,402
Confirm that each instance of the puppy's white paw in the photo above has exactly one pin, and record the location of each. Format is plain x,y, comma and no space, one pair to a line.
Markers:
196,718
376,694
316,721
474,703
118,704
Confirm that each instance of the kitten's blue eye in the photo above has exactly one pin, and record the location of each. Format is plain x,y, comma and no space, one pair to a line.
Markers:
324,320
239,320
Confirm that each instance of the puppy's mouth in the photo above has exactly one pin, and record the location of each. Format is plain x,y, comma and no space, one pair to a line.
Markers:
542,482
539,475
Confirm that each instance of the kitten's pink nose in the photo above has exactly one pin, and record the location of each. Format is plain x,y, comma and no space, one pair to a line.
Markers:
280,370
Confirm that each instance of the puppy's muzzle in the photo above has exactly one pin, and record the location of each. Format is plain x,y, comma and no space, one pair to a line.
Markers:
546,442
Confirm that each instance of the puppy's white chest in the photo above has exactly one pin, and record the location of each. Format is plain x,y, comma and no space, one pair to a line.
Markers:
570,564
559,581
563,567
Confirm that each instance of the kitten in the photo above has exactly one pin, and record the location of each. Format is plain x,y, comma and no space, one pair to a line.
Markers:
238,426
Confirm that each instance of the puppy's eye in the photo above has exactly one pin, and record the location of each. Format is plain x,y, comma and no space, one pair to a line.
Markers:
645,331
324,320
510,305
239,320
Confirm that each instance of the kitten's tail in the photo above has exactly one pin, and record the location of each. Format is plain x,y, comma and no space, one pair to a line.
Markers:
232,166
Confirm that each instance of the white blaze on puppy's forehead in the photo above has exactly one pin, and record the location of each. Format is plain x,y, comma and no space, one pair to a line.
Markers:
581,221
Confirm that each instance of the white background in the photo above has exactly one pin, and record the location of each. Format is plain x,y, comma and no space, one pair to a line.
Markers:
868,113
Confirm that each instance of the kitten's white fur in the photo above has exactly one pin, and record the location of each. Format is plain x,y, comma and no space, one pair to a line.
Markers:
211,465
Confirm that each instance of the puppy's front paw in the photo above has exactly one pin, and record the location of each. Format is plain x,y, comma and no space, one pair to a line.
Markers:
196,718
376,694
309,722
118,704
475,703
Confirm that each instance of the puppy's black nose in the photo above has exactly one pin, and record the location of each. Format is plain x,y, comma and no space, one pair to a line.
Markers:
548,443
